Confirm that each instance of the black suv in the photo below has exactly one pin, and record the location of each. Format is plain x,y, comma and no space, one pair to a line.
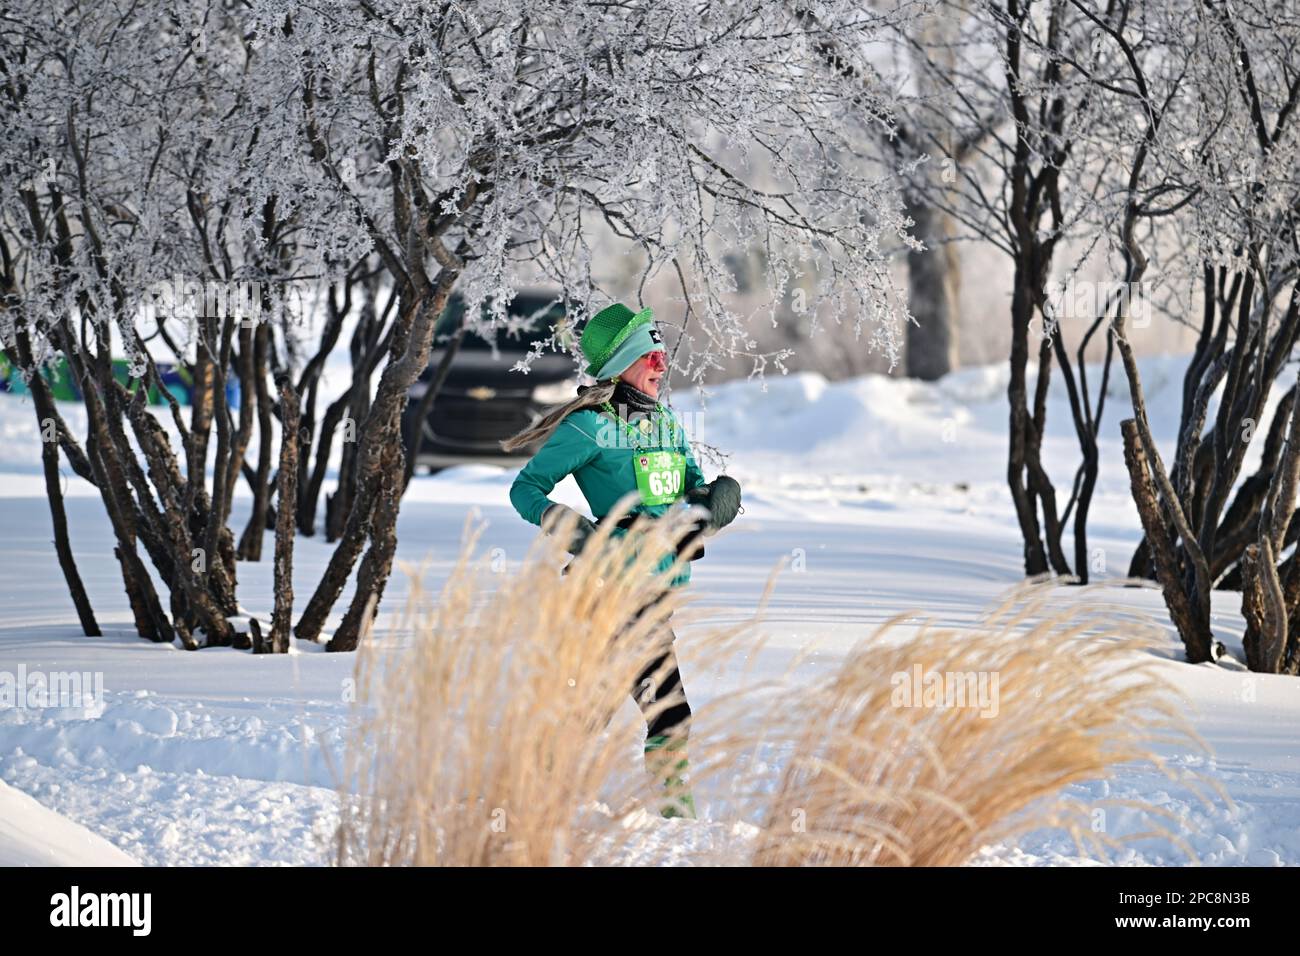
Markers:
483,401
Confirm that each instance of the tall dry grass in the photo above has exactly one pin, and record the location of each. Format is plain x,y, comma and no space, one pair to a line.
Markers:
500,733
880,777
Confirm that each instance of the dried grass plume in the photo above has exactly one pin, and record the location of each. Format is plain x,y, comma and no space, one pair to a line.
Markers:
498,729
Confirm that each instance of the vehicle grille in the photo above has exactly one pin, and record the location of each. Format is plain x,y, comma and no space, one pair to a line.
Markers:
478,423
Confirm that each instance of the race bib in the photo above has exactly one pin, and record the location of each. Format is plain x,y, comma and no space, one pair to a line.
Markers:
660,476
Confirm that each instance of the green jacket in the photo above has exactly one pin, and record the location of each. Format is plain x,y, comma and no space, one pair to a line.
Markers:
586,445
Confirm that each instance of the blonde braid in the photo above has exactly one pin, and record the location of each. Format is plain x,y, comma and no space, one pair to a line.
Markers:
544,427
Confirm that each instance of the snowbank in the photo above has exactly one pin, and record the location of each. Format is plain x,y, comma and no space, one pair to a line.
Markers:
31,835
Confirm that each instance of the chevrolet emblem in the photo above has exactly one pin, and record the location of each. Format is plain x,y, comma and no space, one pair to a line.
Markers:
482,393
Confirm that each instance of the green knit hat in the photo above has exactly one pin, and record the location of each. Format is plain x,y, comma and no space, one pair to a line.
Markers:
609,329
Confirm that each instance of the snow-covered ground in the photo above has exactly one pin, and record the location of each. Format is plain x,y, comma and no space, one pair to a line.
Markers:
33,835
888,494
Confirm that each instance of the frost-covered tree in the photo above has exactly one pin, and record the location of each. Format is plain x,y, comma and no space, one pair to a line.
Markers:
463,140
260,148
1214,164
934,132
1025,112
105,107
1009,113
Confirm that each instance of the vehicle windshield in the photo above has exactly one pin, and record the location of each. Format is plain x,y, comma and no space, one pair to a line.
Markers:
544,312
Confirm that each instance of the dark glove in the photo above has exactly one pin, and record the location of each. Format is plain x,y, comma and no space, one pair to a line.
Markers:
724,500
582,530
721,497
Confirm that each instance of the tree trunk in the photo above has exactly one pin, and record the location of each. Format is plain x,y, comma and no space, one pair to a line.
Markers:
1017,395
932,280
281,619
193,602
1263,607
201,416
1192,627
338,506
377,565
412,339
250,542
47,421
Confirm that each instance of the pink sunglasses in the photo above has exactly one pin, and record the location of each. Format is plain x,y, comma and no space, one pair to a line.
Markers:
657,360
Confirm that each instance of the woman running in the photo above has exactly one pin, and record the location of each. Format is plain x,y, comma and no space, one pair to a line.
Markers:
626,357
